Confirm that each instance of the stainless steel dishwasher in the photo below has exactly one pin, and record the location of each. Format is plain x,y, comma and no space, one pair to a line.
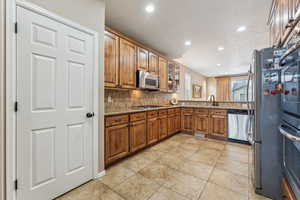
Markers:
237,126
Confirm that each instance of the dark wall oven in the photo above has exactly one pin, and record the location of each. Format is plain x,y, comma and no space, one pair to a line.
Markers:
291,156
290,127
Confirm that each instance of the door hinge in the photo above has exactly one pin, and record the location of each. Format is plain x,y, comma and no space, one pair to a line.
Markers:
16,106
16,184
16,27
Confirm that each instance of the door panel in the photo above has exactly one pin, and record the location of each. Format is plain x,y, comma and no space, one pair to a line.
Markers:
54,90
138,135
111,61
142,58
127,64
152,130
163,75
153,63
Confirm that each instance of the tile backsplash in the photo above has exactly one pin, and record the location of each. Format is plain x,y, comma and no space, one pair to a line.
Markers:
125,99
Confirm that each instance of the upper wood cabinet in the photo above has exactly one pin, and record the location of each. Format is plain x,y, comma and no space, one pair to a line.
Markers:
171,76
127,64
153,63
163,74
111,71
281,19
142,59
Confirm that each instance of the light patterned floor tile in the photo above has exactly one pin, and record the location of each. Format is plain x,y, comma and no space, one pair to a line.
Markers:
215,192
166,194
230,181
137,187
233,166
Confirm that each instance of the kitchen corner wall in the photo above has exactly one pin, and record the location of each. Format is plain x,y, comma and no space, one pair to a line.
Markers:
91,14
2,100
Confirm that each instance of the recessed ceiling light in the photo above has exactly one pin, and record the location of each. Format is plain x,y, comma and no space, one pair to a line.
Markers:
150,8
219,65
220,48
241,29
188,43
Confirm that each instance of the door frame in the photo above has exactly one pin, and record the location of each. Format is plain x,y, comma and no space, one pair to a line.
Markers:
11,88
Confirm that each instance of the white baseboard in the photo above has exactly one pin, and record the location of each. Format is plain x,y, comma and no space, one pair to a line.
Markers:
99,175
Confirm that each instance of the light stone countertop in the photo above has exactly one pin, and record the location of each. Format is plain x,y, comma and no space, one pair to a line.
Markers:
128,111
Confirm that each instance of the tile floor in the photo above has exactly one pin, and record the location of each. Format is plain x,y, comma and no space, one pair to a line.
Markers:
182,167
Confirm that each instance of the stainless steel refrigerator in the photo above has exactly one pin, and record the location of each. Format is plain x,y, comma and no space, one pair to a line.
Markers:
264,118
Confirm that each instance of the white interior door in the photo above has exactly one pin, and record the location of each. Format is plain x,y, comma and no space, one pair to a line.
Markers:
54,92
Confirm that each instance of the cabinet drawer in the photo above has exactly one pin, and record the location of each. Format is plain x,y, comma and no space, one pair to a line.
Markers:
187,110
178,111
116,120
152,114
171,111
201,111
162,113
137,116
218,112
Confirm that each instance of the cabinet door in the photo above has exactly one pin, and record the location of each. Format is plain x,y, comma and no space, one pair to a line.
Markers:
187,122
153,63
111,60
152,130
163,128
177,124
287,192
127,64
142,59
163,74
171,76
218,126
171,125
201,123
116,142
138,135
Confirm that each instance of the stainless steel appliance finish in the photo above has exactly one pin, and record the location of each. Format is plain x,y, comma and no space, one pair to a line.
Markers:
237,121
290,127
263,121
291,156
148,81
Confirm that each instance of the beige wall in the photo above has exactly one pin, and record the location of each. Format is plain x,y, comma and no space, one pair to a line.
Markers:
196,77
2,111
89,13
211,88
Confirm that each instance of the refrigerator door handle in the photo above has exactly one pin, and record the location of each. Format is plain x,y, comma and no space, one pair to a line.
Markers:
248,85
288,135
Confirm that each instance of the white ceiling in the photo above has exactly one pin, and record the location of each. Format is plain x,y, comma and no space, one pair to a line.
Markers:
207,23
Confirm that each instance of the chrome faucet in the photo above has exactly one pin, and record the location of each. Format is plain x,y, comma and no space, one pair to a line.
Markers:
212,99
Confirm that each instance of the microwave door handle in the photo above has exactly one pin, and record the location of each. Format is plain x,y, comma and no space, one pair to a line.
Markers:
288,135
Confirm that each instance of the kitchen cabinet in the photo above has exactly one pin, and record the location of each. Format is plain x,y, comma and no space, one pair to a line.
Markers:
142,59
218,124
163,124
111,71
281,19
201,121
127,64
187,120
287,192
152,130
173,120
116,142
171,76
163,74
171,125
153,63
138,135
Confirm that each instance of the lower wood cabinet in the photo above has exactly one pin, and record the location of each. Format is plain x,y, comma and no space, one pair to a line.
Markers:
201,123
187,120
138,135
287,192
116,142
152,130
163,127
171,125
218,126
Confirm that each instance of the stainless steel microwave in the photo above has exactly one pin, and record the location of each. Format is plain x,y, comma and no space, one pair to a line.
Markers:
147,81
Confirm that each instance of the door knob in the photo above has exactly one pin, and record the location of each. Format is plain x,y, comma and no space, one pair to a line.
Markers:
90,114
